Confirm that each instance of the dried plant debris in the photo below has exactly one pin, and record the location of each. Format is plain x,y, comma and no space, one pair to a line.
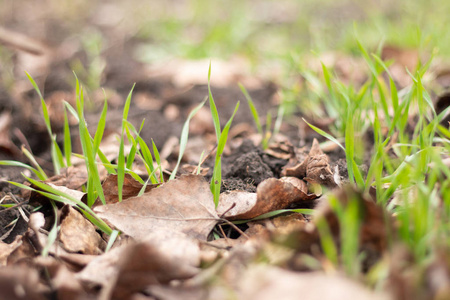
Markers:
182,205
271,194
315,168
77,234
131,188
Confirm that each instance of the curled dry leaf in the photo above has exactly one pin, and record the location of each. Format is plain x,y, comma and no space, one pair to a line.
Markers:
6,144
24,251
77,234
273,194
183,205
7,249
315,168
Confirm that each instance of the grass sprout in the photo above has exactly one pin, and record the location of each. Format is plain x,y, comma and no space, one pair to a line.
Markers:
184,137
222,136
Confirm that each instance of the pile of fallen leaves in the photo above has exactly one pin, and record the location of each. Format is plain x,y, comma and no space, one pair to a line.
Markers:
175,244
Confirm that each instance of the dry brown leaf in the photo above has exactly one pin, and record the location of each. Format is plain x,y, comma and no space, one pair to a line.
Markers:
20,282
265,282
141,265
7,249
233,203
131,188
131,267
281,150
274,194
75,261
72,177
25,251
183,205
63,281
77,234
6,144
102,269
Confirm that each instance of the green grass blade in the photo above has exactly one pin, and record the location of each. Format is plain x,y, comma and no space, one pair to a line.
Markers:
158,160
184,138
327,242
131,156
67,140
112,239
323,133
252,109
57,158
121,167
126,107
121,158
52,235
148,159
71,110
216,180
62,197
212,105
34,162
100,127
13,163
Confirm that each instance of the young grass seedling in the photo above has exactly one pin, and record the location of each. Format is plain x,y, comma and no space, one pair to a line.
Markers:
216,180
121,159
57,157
184,138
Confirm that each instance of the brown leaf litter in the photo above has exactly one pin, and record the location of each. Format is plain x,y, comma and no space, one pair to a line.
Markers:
183,205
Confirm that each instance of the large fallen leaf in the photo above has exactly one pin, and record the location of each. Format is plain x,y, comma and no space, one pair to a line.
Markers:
271,194
183,205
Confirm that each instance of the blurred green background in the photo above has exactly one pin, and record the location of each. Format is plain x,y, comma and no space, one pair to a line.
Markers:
257,30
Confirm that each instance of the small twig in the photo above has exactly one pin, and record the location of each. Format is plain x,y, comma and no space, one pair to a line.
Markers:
230,208
235,227
22,42
223,233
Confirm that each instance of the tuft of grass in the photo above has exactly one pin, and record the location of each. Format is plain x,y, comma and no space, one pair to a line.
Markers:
222,136
400,162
